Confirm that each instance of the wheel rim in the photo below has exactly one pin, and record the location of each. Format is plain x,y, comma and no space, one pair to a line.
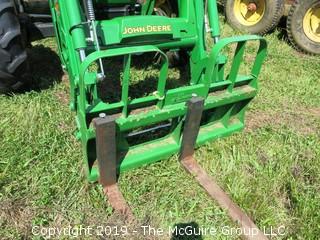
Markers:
249,12
311,23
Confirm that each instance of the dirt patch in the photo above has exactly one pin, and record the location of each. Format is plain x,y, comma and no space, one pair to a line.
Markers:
257,120
20,220
15,216
315,112
302,121
63,96
134,228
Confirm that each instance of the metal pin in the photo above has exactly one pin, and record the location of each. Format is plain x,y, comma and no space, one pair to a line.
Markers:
102,115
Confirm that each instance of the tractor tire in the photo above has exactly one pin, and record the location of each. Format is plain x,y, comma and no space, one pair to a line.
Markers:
255,17
13,56
303,26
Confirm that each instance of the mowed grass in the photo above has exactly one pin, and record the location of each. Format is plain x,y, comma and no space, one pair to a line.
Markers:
272,169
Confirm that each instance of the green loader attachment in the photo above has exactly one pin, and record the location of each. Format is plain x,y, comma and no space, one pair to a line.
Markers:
210,105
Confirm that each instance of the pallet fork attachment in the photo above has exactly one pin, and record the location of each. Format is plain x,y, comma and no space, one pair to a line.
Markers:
106,155
209,105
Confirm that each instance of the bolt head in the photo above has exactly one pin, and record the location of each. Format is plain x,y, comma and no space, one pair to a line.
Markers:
100,77
102,115
252,7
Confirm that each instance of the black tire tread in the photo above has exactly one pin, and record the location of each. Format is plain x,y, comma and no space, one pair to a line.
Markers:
293,42
290,34
13,55
276,18
280,8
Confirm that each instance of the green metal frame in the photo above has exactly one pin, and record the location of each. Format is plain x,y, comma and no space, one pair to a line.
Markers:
226,94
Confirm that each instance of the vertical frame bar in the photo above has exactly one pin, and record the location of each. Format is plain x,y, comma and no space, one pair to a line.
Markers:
191,127
236,63
125,84
106,150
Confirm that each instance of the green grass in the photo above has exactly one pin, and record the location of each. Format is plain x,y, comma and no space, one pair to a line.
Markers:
272,169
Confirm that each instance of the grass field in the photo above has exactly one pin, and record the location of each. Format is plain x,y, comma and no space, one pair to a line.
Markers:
272,169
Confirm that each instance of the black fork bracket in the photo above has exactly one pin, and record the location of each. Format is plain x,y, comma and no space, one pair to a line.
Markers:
106,150
191,126
107,161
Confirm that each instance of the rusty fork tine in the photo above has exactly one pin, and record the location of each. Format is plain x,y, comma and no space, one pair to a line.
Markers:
118,202
107,161
251,231
190,133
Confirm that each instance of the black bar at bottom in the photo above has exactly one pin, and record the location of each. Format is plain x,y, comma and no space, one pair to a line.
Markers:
106,150
191,127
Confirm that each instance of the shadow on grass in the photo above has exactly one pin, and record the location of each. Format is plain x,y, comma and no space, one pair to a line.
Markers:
44,71
186,231
282,28
142,84
45,68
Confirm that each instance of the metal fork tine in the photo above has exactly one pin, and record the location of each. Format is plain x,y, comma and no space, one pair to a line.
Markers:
190,133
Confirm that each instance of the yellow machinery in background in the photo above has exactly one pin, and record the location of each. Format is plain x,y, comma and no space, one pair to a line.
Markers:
262,16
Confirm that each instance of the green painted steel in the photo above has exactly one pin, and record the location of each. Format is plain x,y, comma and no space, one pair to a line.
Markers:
226,92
